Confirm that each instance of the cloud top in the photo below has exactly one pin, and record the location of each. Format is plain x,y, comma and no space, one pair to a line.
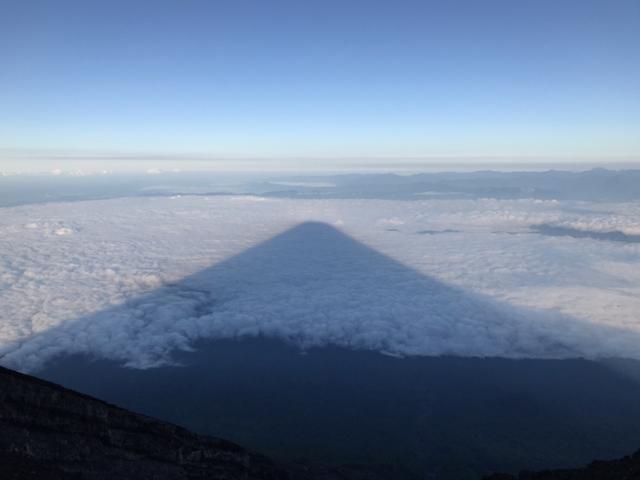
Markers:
141,278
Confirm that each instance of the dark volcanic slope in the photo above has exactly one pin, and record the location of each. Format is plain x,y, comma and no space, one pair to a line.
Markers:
49,432
450,418
627,468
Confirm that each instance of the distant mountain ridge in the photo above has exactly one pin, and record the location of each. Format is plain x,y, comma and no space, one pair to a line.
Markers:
597,184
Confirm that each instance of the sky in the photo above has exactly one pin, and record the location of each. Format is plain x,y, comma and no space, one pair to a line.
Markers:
315,82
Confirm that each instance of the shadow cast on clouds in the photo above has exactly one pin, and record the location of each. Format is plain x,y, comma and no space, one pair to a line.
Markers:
313,285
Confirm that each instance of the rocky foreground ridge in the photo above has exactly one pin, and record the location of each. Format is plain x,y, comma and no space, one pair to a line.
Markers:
626,468
48,432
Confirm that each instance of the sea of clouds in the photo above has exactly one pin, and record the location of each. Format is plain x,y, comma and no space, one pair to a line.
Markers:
135,279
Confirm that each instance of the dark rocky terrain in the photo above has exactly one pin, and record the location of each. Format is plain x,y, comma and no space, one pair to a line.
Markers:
49,432
445,418
627,468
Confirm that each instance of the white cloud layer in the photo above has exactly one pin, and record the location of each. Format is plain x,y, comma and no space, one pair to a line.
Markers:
134,279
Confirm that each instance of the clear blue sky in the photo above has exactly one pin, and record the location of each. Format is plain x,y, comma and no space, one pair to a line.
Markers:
322,78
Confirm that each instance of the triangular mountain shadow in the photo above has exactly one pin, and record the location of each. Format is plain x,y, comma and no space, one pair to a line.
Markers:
318,290
314,285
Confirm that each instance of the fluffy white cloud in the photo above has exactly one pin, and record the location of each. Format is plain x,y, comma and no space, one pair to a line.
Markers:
134,279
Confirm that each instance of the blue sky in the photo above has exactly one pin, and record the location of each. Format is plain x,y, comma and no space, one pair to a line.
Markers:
321,79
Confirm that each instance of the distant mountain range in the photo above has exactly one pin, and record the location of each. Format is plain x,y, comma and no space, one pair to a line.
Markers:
598,184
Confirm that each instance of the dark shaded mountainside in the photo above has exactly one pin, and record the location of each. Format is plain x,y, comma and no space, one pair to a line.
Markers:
49,432
627,468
